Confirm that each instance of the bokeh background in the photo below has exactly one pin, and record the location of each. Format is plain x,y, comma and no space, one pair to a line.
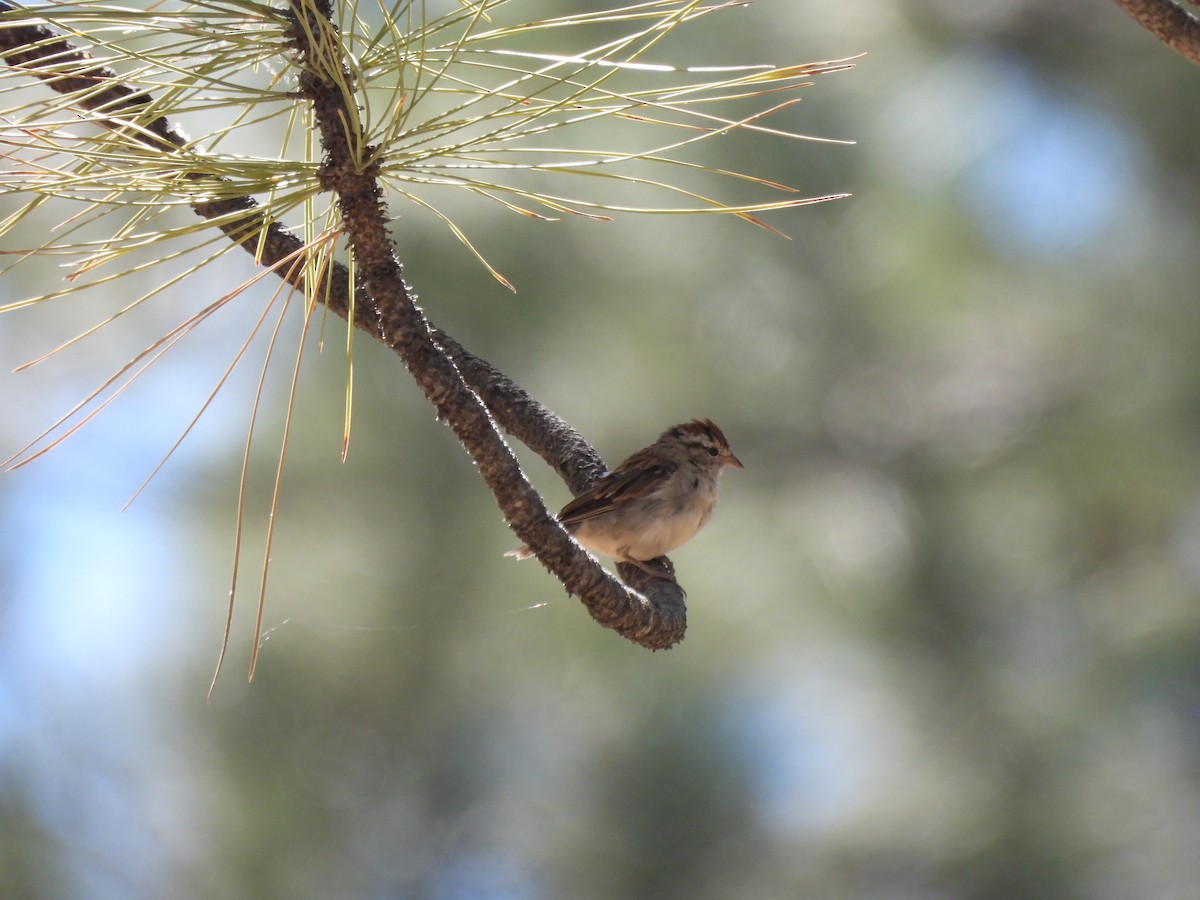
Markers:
944,631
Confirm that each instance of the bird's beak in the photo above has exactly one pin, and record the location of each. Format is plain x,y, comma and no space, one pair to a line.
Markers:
734,463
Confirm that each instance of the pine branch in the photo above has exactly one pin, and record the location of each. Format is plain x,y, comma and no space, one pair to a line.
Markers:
468,393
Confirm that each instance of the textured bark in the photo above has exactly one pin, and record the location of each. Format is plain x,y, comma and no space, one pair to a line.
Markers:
1169,22
467,392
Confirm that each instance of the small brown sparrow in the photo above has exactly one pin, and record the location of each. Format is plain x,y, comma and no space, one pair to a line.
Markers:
654,501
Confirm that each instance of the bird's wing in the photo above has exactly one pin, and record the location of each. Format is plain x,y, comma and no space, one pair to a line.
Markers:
641,475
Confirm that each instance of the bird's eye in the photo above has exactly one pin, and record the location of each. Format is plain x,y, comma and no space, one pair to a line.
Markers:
713,451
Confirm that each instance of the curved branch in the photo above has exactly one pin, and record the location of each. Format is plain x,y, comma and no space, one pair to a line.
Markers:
459,384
